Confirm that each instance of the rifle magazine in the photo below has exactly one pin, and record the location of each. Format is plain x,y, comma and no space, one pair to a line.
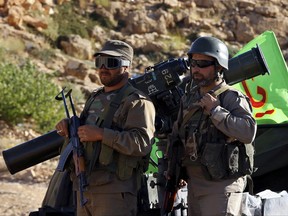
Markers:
64,158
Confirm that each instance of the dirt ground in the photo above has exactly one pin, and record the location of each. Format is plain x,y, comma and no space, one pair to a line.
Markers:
24,191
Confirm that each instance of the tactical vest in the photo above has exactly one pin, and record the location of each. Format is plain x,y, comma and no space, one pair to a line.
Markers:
205,145
103,157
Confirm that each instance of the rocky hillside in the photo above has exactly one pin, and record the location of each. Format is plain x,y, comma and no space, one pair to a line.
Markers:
60,36
158,30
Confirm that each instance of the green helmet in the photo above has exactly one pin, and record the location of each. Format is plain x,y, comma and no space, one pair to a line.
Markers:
213,47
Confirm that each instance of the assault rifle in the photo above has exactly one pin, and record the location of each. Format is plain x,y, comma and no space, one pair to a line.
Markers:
74,146
172,184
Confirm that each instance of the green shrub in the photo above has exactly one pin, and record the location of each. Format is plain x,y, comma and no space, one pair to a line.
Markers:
12,44
175,42
43,54
28,95
69,21
51,33
97,19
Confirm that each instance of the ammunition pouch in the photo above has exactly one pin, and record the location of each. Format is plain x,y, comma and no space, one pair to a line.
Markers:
126,165
106,155
227,160
212,159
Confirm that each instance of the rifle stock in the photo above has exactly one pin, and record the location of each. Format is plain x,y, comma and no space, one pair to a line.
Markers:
64,157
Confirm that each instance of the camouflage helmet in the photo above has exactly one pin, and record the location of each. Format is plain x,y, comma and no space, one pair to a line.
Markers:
211,46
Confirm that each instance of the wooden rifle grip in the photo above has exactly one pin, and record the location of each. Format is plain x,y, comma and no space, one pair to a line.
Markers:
79,164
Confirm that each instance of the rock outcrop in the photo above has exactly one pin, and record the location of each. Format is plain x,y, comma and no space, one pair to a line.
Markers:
162,29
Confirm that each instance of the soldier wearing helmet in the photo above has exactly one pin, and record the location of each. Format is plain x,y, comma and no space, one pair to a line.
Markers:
206,52
217,129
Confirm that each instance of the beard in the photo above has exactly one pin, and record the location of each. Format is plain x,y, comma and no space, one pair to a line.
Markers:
110,79
201,81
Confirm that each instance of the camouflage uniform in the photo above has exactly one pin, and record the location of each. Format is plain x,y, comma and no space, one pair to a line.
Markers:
230,121
129,139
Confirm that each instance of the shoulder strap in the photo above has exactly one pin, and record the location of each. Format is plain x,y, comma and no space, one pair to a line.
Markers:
115,103
189,115
89,102
108,118
222,89
214,93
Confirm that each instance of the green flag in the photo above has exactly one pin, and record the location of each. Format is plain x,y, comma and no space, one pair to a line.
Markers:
269,93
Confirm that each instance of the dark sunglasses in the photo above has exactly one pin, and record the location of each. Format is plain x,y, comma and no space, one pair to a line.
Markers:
201,63
110,62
